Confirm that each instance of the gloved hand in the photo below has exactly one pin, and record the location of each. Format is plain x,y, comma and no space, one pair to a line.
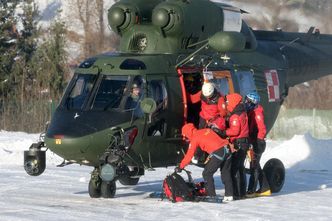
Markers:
221,133
261,145
177,169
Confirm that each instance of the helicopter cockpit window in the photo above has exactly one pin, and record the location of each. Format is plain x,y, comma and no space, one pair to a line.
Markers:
246,82
80,91
110,92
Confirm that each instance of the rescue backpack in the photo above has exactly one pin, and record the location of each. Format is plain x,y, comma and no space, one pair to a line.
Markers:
176,189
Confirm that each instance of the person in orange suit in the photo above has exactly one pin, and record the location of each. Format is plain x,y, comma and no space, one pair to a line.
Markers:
219,157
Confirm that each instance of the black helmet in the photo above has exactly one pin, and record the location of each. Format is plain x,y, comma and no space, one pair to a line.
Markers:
137,82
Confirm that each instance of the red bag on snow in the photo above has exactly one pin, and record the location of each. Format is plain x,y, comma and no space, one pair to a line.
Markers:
176,189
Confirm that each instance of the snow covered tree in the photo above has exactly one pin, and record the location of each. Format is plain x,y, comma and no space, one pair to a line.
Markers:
50,61
37,71
8,40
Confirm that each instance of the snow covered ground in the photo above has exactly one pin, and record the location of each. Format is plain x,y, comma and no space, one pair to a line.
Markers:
61,193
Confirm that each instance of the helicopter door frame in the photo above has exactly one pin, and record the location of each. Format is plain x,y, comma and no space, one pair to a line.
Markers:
181,71
157,83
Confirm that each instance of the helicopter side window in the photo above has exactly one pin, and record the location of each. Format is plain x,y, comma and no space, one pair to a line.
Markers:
80,91
246,82
222,80
221,85
158,92
110,92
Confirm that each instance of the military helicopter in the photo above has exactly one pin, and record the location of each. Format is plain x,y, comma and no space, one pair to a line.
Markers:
100,122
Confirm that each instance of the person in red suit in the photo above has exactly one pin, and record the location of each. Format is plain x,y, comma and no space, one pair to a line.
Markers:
193,93
213,108
238,133
219,157
257,133
212,113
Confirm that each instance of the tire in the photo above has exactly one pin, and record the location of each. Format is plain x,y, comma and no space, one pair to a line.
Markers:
94,189
128,181
108,189
275,173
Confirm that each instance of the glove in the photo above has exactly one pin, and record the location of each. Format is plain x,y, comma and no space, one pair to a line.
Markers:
221,133
261,145
177,169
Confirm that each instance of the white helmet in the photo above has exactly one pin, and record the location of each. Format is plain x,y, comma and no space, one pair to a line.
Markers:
207,89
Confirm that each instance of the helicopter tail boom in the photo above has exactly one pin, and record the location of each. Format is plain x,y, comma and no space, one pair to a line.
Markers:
308,56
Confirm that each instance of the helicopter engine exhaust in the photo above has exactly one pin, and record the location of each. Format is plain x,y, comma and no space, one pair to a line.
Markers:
35,159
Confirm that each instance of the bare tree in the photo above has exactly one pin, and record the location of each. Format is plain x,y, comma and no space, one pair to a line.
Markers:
101,25
90,15
84,15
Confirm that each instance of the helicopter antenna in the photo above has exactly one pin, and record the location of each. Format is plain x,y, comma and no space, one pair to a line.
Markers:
289,44
305,39
309,34
197,43
189,57
208,64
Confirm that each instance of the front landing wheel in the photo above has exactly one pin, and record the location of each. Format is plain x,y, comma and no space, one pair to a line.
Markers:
108,189
94,188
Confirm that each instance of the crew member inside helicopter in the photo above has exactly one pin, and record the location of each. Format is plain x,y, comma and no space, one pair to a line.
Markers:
135,97
213,108
212,113
193,86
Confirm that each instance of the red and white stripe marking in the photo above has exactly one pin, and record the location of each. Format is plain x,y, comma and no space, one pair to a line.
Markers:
272,81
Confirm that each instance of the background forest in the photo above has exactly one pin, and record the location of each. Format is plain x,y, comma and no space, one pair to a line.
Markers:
41,41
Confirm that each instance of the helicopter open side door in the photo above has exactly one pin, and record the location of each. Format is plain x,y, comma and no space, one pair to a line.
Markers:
192,79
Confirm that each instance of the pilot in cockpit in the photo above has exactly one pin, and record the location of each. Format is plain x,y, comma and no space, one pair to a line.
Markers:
134,99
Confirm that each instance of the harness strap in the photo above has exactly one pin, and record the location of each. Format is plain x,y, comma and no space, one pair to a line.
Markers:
225,156
242,140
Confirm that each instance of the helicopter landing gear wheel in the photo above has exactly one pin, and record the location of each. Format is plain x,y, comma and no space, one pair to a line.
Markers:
107,189
128,181
275,173
95,184
94,188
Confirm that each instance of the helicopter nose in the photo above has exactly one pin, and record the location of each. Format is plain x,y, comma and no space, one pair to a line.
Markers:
81,144
71,134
